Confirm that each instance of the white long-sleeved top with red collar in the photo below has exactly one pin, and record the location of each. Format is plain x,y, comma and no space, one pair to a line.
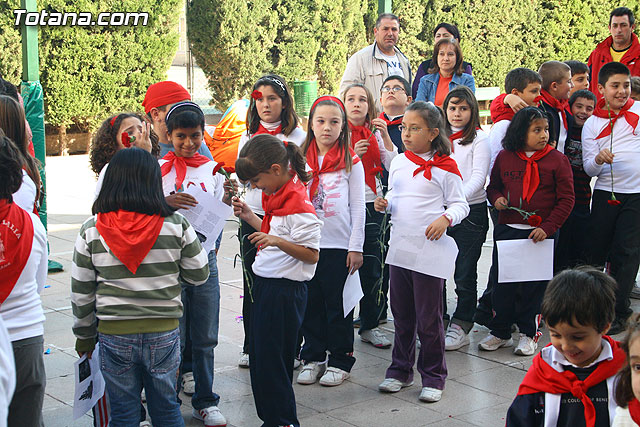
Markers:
473,160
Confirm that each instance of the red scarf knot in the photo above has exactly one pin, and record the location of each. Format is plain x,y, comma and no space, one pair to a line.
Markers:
394,122
290,199
332,161
561,107
443,162
181,163
578,389
531,178
371,159
603,113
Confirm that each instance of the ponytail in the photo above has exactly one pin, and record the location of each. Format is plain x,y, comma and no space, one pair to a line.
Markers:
264,150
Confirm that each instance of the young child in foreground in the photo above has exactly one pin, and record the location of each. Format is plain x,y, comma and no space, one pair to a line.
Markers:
628,379
571,381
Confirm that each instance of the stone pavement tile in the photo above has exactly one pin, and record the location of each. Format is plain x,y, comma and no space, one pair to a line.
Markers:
367,355
323,399
387,410
491,416
323,420
370,376
460,364
63,417
230,388
474,398
62,387
503,380
58,364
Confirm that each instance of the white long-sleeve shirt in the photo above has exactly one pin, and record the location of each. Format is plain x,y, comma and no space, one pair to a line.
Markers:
302,229
22,310
626,150
25,197
340,205
253,196
386,157
498,131
473,161
416,201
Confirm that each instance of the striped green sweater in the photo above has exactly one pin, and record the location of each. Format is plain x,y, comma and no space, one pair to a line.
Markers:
126,303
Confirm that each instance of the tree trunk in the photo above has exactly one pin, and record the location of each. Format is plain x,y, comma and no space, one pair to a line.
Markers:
62,140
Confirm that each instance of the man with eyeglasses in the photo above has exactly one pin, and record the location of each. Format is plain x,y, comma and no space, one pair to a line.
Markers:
371,65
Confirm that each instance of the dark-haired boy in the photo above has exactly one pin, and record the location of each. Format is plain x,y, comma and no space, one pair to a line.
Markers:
572,241
522,87
577,371
579,75
556,86
611,152
395,96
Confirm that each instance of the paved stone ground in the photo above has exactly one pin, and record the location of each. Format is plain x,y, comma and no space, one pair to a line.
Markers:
478,391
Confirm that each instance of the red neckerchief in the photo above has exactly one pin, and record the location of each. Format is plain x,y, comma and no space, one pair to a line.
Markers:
129,235
561,107
181,164
631,118
634,410
370,159
291,199
542,378
443,162
396,121
262,129
500,111
332,161
16,239
531,178
457,135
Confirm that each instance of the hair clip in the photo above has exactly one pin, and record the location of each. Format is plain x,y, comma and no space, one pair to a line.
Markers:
113,120
184,104
276,81
286,144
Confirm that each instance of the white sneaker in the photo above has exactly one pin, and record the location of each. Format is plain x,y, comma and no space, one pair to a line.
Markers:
243,362
430,395
145,423
211,416
376,338
392,385
311,372
188,384
491,343
296,363
418,343
456,337
333,377
526,346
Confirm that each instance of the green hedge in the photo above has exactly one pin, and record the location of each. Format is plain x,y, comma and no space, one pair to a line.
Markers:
236,41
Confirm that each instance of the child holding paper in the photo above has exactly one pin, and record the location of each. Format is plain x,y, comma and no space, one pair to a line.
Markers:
532,188
423,180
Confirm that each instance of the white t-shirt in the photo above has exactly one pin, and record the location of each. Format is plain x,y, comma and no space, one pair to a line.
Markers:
393,66
302,229
25,197
473,161
22,310
253,197
202,178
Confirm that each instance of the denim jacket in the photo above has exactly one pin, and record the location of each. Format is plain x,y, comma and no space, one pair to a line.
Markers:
429,84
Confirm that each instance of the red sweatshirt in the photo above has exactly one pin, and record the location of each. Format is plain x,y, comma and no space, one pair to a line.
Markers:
602,55
553,199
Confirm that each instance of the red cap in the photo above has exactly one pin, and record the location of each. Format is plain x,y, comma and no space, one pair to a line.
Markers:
164,93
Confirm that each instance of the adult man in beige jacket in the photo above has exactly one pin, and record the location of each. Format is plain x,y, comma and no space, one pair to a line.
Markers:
374,63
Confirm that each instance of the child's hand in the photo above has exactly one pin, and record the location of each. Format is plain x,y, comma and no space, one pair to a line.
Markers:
436,229
501,203
515,102
381,125
604,156
380,204
263,240
144,142
181,201
240,208
538,235
361,147
354,261
230,188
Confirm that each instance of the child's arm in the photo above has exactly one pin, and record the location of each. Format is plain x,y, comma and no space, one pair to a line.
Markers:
357,212
480,166
456,203
593,159
302,253
181,200
526,411
194,262
515,102
244,212
496,186
83,296
383,133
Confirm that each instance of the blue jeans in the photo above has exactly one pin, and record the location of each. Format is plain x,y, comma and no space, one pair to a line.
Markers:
469,235
129,362
202,305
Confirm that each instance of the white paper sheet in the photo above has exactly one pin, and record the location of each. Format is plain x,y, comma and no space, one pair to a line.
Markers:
410,249
208,216
89,383
351,293
521,260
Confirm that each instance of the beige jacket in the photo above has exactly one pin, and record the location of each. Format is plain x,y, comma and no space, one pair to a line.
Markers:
368,67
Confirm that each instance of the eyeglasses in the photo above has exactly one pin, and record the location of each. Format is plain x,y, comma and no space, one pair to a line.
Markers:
395,89
412,129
